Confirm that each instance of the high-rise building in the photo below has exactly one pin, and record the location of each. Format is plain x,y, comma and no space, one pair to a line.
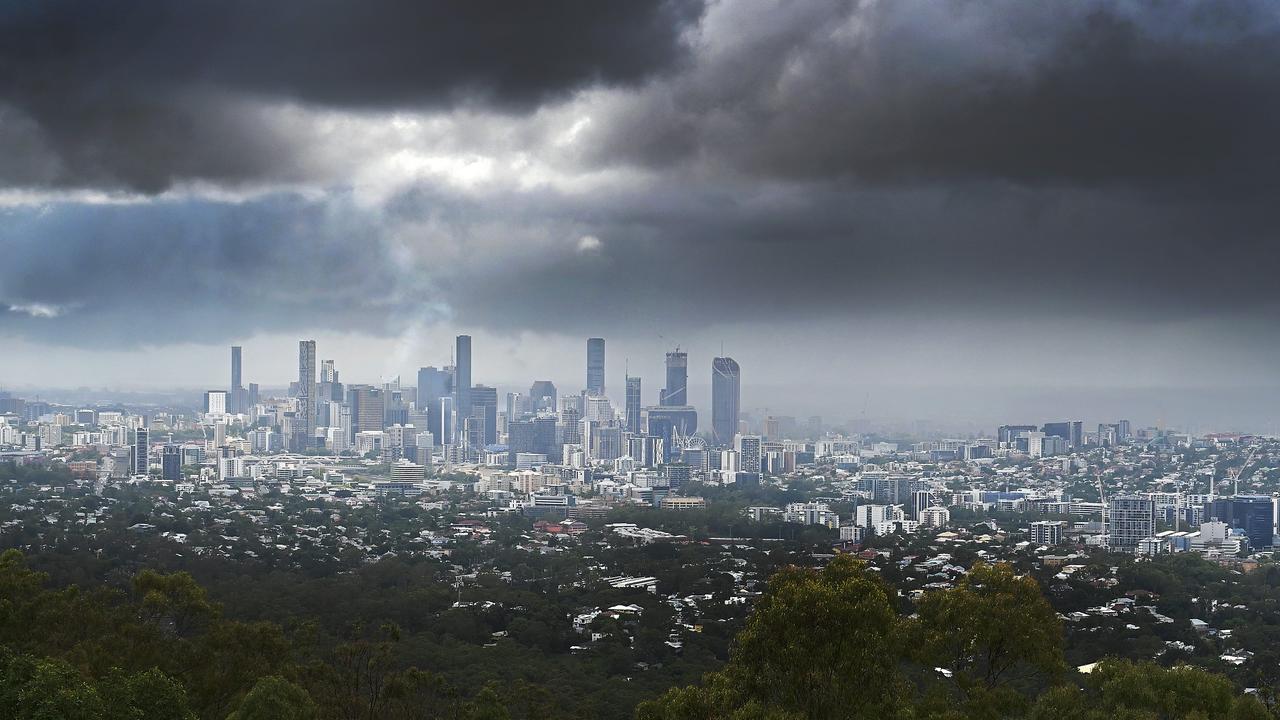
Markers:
484,410
171,463
1071,432
1251,514
367,409
677,390
633,405
1130,520
141,449
595,366
1047,532
462,377
305,415
749,449
726,400
215,402
433,384
542,396
1007,434
236,396
328,372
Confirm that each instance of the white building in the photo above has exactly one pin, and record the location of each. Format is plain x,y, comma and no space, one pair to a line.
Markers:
812,513
1047,532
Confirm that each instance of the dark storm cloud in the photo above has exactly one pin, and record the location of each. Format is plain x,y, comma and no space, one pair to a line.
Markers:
139,95
1151,93
984,159
683,257
121,276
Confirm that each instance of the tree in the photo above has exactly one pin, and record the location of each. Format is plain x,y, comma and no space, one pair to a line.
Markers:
817,645
994,633
275,698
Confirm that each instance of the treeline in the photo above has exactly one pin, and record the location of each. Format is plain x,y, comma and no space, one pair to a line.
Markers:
163,651
829,644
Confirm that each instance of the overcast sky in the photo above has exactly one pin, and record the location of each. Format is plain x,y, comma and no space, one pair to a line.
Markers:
924,209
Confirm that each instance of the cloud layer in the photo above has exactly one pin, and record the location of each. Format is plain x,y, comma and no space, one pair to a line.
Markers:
655,168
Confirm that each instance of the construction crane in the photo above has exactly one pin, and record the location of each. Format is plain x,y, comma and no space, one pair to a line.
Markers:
1102,498
1235,481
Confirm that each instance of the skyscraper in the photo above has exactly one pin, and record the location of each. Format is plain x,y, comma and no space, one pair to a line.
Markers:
595,366
542,396
367,408
141,449
433,384
237,394
462,377
633,404
305,415
1130,519
484,410
749,449
726,400
677,390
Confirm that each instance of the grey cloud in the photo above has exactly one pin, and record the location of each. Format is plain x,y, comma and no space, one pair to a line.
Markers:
1099,91
139,95
123,276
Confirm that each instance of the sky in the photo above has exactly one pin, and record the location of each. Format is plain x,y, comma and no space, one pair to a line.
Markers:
969,210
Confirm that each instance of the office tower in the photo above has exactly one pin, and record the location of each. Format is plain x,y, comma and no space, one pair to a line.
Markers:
171,463
215,402
595,366
726,400
1071,432
542,396
253,394
328,372
1251,514
433,384
305,415
633,404
484,410
534,435
677,390
141,446
448,421
1130,519
462,377
367,409
515,406
1122,431
598,409
1008,434
236,395
749,449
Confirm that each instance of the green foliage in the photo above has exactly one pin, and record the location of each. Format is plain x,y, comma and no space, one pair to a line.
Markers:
275,698
808,637
995,634
1146,691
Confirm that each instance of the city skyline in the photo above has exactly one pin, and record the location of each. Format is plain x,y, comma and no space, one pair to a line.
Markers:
1025,229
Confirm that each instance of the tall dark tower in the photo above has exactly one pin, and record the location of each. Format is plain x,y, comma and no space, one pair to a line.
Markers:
595,366
237,388
726,400
305,415
462,377
633,404
141,451
677,390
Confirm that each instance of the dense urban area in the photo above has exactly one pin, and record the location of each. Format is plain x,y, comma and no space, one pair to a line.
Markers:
401,551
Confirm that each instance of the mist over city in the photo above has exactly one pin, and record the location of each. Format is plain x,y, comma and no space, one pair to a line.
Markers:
652,359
